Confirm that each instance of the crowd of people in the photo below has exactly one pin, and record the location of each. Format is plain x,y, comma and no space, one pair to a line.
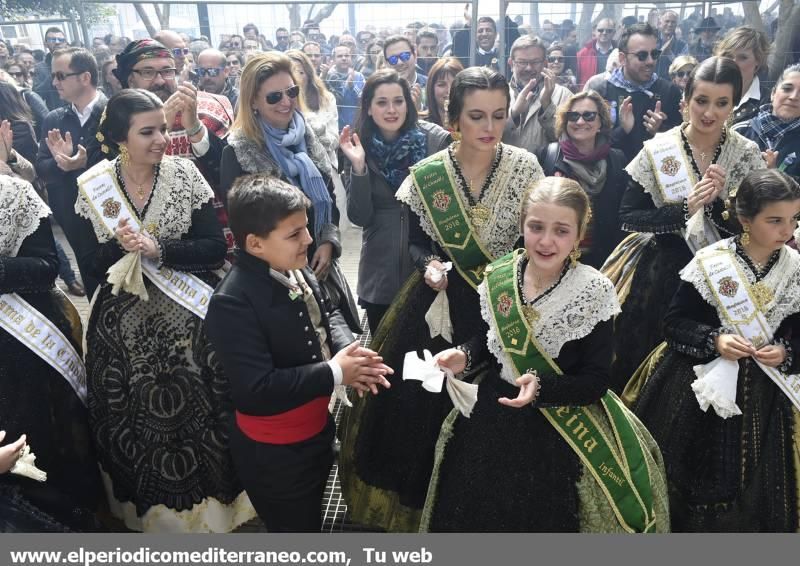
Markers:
577,270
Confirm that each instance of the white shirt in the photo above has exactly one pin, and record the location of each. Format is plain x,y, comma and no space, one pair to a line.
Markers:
753,92
83,117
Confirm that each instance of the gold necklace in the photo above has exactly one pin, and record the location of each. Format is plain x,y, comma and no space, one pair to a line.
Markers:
140,190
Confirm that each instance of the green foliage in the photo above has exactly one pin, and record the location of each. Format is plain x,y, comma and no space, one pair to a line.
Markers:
14,9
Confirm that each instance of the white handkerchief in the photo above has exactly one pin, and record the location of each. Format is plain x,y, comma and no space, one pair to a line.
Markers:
340,393
437,274
25,466
715,386
438,317
463,395
126,275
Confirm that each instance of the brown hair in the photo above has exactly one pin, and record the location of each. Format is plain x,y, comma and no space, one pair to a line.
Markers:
602,111
315,93
442,67
258,69
563,192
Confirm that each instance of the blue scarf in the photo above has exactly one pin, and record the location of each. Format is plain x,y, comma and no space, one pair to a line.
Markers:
288,148
770,128
618,79
394,158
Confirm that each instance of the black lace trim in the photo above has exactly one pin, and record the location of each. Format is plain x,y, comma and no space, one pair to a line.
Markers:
760,274
486,184
523,263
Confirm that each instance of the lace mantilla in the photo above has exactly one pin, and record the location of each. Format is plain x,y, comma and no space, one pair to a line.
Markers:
514,174
582,299
783,279
180,190
21,211
737,156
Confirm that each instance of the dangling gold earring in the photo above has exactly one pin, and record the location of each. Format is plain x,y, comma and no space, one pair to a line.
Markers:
685,113
574,256
746,235
124,156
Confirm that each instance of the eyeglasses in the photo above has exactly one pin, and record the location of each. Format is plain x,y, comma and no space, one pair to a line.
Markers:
180,51
60,77
277,96
587,116
604,30
150,74
16,75
642,55
212,72
683,74
521,63
56,39
554,59
395,59
283,37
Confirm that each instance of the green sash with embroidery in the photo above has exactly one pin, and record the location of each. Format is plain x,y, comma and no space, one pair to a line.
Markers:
450,220
617,464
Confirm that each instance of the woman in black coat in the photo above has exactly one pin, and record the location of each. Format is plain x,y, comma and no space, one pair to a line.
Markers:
585,155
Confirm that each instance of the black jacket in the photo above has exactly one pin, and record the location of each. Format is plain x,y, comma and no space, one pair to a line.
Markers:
266,341
605,227
663,90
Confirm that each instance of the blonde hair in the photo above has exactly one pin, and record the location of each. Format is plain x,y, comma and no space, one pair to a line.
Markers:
682,61
258,69
744,37
563,192
602,111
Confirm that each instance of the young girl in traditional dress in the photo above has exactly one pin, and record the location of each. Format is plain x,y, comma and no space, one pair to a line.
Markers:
546,447
735,322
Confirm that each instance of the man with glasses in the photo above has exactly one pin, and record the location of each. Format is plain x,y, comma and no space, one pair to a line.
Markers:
671,47
198,122
535,95
642,104
177,47
213,75
346,85
281,39
54,39
401,56
66,133
593,57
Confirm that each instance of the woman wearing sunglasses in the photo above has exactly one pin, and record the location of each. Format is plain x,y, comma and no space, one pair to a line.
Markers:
680,69
583,152
674,205
464,204
270,135
556,62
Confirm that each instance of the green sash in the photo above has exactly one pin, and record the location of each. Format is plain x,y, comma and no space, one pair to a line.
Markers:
617,464
450,220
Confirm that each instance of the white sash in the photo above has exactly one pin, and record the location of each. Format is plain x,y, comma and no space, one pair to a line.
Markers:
737,303
109,205
29,326
675,177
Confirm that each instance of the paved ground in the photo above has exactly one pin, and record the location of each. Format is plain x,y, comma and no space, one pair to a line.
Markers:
334,509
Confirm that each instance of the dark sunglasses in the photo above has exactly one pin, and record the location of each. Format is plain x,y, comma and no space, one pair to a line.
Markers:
283,37
180,51
212,72
277,96
554,59
56,40
605,31
59,76
395,59
15,75
642,55
587,116
683,74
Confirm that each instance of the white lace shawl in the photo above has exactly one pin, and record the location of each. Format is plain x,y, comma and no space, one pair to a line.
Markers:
583,298
181,189
783,279
517,170
737,157
21,212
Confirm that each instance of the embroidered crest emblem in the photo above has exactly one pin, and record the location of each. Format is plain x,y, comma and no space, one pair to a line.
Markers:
762,295
728,287
441,201
504,303
670,166
111,208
